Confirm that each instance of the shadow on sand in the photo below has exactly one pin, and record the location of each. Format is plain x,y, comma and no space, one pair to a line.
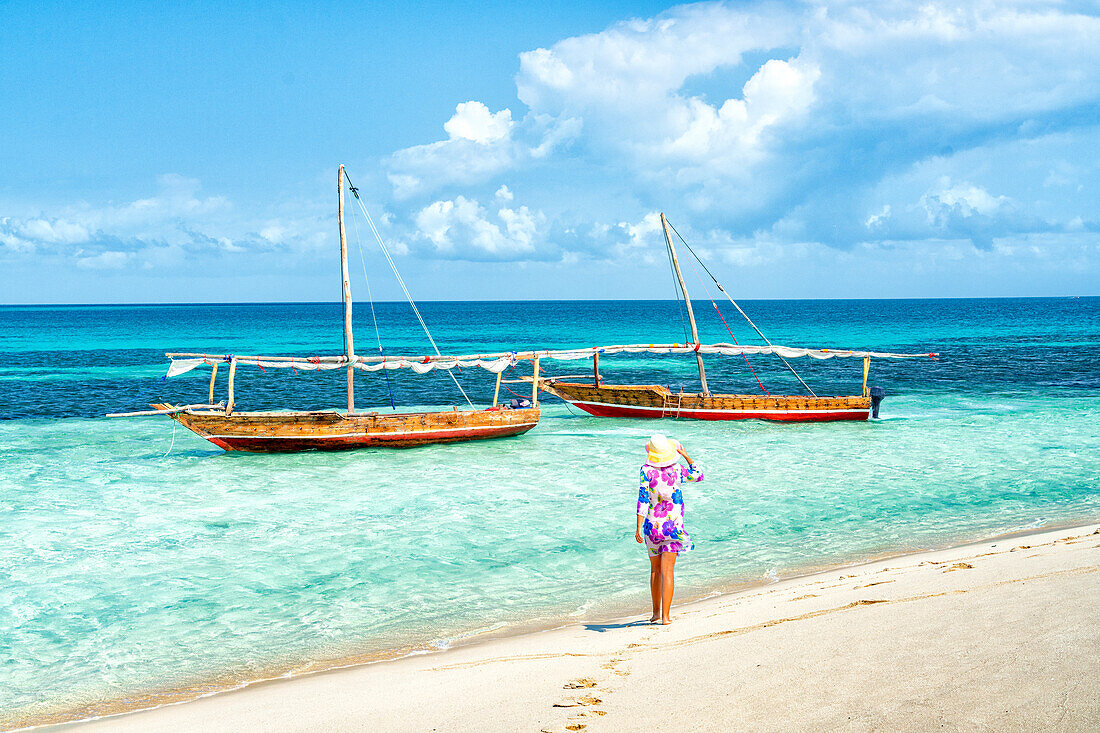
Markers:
608,627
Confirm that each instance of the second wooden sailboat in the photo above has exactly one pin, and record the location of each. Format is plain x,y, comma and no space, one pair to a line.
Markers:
657,401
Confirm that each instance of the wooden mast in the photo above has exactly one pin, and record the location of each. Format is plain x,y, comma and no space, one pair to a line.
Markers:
213,374
687,300
535,385
229,396
349,345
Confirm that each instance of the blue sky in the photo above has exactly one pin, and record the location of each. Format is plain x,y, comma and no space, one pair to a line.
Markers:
186,152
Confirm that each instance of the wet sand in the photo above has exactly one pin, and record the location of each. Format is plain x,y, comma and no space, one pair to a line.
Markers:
1000,635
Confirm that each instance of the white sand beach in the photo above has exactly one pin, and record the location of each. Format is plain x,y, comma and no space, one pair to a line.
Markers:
1001,635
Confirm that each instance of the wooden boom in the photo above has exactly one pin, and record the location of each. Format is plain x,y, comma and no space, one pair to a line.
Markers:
569,354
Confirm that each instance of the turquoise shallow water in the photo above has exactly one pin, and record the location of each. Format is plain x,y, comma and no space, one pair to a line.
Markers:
134,559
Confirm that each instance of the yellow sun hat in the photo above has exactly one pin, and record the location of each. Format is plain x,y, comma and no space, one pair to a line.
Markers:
662,451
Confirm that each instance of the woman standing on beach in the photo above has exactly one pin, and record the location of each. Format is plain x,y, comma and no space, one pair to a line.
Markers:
660,516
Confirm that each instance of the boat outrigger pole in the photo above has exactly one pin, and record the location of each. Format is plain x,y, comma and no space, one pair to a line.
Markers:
349,344
687,301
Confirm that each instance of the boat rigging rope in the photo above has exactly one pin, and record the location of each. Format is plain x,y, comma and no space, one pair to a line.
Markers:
173,443
370,299
728,329
517,394
401,282
745,315
676,291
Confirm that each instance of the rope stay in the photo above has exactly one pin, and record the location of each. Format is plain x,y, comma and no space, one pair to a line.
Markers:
717,310
676,291
370,299
401,282
739,310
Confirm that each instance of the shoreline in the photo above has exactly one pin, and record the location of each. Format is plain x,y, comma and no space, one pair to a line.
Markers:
209,689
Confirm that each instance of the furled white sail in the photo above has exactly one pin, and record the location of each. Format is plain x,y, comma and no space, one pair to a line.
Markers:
498,362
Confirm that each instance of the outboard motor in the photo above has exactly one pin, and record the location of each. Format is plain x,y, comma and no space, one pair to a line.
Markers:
877,393
519,404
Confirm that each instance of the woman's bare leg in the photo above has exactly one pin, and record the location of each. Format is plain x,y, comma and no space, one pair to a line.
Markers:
668,584
655,586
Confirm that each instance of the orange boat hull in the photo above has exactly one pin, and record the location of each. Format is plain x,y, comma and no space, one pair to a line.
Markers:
284,432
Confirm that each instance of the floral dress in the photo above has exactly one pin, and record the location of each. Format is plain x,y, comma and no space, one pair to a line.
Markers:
661,502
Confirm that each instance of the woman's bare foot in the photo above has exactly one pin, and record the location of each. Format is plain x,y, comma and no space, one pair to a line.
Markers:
666,621
654,618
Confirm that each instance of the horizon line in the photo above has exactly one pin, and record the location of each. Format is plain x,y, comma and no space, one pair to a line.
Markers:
531,300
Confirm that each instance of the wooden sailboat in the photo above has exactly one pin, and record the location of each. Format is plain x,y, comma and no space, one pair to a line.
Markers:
281,431
654,400
657,401
272,432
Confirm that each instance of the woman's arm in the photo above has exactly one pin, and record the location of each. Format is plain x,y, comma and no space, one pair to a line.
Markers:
643,503
692,472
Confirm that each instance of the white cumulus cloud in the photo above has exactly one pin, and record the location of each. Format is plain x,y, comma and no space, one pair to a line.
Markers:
473,121
963,199
480,144
177,218
463,227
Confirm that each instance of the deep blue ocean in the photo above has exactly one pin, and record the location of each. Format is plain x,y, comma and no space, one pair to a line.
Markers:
138,559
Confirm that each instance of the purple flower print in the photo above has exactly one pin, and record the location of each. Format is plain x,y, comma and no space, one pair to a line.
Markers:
670,529
692,473
673,547
669,476
661,509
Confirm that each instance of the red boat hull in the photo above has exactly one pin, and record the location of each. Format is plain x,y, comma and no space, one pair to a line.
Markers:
285,432
364,440
604,410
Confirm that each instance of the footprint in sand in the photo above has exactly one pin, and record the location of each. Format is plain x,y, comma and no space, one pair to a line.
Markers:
959,566
582,683
880,582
